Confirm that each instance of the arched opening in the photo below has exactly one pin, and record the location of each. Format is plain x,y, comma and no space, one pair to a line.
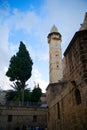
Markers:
77,96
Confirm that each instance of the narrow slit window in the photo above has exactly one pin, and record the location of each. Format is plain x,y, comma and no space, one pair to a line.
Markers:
77,97
58,110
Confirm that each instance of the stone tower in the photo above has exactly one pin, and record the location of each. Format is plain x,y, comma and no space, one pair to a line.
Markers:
55,56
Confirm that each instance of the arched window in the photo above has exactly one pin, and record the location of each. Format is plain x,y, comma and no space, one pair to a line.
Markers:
77,96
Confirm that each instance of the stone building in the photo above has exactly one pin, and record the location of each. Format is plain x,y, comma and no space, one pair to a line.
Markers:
66,93
14,116
67,96
22,118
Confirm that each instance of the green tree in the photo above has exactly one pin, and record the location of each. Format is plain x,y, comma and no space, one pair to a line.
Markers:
15,94
36,93
20,68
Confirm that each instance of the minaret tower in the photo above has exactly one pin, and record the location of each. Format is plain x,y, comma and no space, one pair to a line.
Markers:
55,56
84,25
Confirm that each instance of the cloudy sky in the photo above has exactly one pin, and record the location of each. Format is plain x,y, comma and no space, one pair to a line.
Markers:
30,21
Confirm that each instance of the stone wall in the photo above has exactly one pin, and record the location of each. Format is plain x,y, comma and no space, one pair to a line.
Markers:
12,118
76,58
67,111
68,101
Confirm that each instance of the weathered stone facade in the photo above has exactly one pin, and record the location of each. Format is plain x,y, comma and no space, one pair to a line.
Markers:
15,118
67,99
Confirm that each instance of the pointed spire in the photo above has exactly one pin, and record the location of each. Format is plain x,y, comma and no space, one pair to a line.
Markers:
84,25
54,29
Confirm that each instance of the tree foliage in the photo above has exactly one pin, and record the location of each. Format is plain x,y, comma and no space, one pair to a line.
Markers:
20,66
20,69
36,94
15,94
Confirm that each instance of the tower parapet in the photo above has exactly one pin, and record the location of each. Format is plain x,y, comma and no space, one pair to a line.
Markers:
55,56
54,34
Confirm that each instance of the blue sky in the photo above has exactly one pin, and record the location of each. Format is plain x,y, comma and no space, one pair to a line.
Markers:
30,21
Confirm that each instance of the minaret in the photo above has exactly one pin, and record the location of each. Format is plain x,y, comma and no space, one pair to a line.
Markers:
55,56
84,25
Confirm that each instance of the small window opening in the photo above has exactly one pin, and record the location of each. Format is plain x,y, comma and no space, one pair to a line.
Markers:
57,66
77,97
58,110
9,118
34,118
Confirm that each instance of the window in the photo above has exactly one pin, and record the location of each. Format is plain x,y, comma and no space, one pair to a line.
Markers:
57,66
34,118
9,118
58,110
77,97
48,115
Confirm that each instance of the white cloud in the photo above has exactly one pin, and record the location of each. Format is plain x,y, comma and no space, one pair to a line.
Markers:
26,22
4,54
22,20
37,78
38,25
